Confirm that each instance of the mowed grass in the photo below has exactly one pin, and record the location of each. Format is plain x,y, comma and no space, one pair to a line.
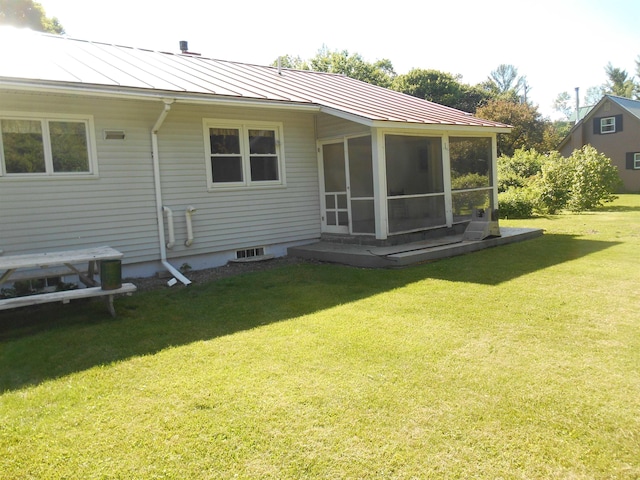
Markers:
521,361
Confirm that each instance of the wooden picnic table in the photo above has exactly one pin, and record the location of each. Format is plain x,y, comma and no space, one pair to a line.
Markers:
38,265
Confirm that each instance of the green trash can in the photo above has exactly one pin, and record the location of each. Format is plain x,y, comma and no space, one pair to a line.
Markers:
111,274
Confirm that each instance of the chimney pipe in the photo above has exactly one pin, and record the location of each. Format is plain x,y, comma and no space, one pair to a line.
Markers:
577,104
184,46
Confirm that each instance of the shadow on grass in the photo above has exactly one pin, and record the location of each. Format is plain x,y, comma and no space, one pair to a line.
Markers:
47,342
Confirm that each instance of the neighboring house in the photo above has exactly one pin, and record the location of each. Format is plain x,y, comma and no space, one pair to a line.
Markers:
179,159
612,127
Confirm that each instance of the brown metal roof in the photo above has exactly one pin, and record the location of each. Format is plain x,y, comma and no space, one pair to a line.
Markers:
54,60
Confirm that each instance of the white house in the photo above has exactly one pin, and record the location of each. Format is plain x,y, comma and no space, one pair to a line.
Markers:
177,158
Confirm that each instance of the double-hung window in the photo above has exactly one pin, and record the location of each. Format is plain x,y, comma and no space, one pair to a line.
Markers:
636,161
608,125
243,154
45,146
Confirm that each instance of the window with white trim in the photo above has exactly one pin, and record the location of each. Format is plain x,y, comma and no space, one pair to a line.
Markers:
636,161
45,146
608,125
243,154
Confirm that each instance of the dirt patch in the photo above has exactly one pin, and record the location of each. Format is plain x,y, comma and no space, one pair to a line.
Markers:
210,274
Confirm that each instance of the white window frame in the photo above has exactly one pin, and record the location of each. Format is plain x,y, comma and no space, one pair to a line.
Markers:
607,125
45,119
636,161
244,127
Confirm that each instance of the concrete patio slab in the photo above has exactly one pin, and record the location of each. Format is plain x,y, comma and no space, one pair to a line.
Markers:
368,256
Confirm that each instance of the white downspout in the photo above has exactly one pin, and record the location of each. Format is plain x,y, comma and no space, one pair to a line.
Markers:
172,235
190,211
159,206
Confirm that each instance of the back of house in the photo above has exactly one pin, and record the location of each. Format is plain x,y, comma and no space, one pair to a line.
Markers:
178,159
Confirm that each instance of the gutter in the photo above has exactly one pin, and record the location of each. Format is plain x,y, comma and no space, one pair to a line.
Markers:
131,93
156,178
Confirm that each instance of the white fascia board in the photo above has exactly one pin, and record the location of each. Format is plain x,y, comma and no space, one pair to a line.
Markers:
440,127
347,116
399,125
153,95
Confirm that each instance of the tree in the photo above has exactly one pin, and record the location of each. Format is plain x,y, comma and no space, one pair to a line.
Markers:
440,87
593,95
504,82
289,61
379,73
562,104
619,83
528,125
29,14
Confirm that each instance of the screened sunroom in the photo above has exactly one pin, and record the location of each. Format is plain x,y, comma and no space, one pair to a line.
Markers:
391,183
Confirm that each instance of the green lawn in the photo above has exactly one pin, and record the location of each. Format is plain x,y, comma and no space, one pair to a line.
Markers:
521,361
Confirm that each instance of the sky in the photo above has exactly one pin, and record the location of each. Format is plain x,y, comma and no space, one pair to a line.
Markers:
558,45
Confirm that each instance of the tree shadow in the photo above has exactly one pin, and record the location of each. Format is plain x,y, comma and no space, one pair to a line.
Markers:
51,341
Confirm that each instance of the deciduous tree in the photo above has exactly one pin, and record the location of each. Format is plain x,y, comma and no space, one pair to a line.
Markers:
528,125
379,73
441,87
29,14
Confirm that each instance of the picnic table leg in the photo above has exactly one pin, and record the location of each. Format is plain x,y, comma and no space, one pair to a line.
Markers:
110,307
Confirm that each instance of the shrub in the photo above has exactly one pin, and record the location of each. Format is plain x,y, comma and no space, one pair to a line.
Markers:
516,203
581,182
518,170
594,179
554,184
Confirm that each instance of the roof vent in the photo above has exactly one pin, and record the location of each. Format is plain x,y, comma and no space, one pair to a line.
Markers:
184,48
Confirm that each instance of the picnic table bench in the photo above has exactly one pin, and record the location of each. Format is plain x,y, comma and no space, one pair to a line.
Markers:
39,265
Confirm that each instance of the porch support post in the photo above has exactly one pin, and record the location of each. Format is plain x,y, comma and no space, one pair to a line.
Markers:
379,183
446,178
494,170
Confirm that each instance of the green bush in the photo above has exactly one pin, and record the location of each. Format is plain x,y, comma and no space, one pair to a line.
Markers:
581,182
552,182
594,179
516,203
519,170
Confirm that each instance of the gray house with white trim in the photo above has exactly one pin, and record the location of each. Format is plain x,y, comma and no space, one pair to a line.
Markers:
178,158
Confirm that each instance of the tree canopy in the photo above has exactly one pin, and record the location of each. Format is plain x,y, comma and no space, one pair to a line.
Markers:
619,82
440,87
29,14
528,125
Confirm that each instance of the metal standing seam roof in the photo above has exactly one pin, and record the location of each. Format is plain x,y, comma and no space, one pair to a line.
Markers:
62,61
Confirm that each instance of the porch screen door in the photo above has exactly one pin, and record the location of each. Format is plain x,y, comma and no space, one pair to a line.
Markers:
336,211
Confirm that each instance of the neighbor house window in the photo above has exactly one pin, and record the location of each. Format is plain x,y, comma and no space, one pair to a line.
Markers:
608,125
243,154
45,146
636,161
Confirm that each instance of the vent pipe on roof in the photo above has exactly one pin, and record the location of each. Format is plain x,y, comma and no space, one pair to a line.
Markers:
577,104
184,48
279,65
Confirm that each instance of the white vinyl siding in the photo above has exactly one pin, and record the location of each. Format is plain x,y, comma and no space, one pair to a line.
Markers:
333,127
118,208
